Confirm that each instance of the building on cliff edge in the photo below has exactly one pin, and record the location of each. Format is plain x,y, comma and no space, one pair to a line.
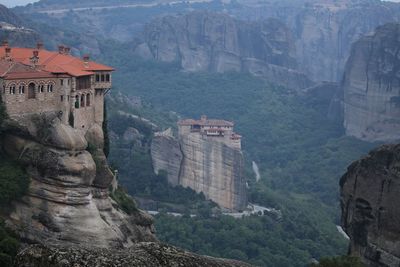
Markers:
35,80
216,130
205,157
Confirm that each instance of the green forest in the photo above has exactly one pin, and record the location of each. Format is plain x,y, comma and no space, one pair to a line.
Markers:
301,155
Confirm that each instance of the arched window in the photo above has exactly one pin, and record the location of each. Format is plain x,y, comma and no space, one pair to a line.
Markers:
31,91
12,89
41,88
50,87
77,101
82,100
88,100
21,89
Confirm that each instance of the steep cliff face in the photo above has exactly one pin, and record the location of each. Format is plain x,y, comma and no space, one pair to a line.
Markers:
370,193
68,201
371,86
215,169
206,166
203,41
166,155
323,30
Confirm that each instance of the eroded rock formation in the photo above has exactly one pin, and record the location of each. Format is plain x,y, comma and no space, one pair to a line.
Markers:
370,193
371,86
68,201
323,30
144,254
203,41
206,166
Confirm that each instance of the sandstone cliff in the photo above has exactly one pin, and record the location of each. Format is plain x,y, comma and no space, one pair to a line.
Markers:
144,254
68,201
203,41
370,192
166,155
323,30
371,86
206,166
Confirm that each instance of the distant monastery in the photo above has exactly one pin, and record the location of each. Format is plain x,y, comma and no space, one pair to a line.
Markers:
217,130
34,80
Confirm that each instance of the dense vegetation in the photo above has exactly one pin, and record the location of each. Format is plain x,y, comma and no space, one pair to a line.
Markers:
13,184
301,155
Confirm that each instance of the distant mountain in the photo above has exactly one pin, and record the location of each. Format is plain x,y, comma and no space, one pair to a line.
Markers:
324,30
12,29
8,16
216,42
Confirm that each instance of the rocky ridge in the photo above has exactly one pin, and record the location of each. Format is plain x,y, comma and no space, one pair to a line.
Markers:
323,30
370,211
205,41
371,86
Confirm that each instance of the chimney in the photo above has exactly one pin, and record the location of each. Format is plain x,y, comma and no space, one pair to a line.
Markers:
39,46
5,43
8,53
86,59
67,50
61,49
35,57
203,117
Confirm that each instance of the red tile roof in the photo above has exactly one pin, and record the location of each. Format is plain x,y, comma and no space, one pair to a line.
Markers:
55,62
17,70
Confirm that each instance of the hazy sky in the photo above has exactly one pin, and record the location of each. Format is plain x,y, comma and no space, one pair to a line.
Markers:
12,3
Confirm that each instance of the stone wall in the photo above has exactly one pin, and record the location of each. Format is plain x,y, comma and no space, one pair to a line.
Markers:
45,101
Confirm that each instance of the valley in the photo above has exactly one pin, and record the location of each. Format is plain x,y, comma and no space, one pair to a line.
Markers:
310,86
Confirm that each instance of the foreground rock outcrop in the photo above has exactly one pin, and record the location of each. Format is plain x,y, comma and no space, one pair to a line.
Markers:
68,201
141,254
371,86
370,193
204,41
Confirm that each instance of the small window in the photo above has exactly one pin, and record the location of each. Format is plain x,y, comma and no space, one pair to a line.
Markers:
62,81
107,77
102,77
62,98
88,100
82,100
97,78
12,90
69,81
50,88
21,90
77,101
41,88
